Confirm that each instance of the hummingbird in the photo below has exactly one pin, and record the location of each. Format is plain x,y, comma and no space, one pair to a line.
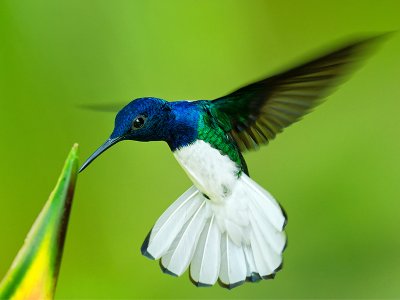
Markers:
226,227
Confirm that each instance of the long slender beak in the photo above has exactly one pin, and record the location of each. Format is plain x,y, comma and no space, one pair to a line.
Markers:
99,151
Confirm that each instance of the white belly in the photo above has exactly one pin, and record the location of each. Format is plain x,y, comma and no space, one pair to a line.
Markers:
214,174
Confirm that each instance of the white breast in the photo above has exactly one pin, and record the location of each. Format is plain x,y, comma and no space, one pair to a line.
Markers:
213,173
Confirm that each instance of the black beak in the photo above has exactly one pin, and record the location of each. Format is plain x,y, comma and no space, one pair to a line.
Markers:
100,150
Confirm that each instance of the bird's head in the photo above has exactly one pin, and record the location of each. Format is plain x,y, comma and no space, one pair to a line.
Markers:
143,119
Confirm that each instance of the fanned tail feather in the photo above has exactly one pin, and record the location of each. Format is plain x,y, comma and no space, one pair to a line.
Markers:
193,231
169,225
205,265
233,269
178,257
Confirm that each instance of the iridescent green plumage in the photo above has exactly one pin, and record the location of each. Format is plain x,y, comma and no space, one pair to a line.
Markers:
212,132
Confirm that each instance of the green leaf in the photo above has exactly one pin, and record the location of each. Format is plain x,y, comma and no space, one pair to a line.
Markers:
34,272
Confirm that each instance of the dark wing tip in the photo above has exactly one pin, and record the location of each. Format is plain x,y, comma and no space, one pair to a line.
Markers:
367,44
259,111
348,53
374,38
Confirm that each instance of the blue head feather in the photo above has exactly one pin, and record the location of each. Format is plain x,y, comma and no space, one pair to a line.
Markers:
173,122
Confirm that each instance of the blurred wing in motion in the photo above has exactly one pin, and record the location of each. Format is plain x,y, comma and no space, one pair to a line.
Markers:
254,114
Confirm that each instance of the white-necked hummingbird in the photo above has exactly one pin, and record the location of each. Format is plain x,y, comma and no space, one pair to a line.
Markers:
226,226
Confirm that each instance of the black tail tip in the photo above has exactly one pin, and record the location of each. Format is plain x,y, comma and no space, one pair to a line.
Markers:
230,285
144,247
199,284
254,277
166,271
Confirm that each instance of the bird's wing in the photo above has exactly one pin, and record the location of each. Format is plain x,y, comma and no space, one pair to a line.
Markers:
254,114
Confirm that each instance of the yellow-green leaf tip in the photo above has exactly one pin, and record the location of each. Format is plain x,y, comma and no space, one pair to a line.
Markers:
34,272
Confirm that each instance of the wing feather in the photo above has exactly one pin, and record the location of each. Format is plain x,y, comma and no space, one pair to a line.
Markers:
257,112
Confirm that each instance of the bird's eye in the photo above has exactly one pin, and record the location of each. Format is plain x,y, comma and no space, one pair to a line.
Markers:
138,122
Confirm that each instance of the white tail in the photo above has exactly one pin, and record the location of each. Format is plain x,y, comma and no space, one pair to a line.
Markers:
236,240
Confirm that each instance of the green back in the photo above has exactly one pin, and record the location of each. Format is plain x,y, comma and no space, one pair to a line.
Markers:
211,131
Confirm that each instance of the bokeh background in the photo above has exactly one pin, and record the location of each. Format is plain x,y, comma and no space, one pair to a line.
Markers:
336,173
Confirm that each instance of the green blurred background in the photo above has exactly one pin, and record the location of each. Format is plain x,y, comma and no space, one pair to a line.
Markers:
336,173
